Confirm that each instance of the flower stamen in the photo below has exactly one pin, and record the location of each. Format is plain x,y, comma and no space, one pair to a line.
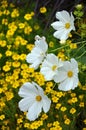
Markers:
67,25
54,67
38,98
70,74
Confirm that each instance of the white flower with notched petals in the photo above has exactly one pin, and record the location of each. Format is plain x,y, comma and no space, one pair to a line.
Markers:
50,67
64,26
38,53
68,75
34,100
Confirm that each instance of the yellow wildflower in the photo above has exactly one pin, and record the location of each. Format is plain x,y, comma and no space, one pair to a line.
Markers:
72,110
43,10
6,68
27,30
21,25
15,13
28,16
63,108
9,95
2,117
67,121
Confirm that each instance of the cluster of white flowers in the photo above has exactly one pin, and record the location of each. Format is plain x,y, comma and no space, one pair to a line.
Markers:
64,73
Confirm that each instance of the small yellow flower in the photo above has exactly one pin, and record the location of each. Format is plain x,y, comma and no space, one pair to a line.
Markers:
27,30
84,121
2,117
6,68
1,91
43,10
84,129
26,125
73,46
49,125
0,55
8,53
67,121
21,25
9,33
16,64
19,120
58,105
81,104
23,42
5,21
51,44
36,27
3,43
63,109
56,123
1,13
72,110
30,46
22,56
9,95
55,99
6,12
61,55
74,99
28,16
15,56
15,13
44,116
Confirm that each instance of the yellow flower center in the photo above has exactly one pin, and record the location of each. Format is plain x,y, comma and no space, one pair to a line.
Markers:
70,74
54,67
67,25
38,98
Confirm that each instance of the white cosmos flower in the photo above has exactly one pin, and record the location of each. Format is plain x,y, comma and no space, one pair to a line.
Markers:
68,75
50,67
38,52
64,26
34,100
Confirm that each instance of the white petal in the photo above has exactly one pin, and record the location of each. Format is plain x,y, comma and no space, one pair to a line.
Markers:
63,16
67,66
34,111
75,81
38,87
52,58
48,73
46,103
72,17
25,103
42,44
60,76
66,85
61,34
27,90
65,34
74,65
35,64
57,25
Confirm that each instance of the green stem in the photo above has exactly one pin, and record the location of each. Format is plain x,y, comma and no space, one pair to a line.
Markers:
79,49
58,48
81,55
80,42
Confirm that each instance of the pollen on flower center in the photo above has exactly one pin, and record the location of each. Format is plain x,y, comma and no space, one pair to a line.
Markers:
54,67
67,25
70,74
38,98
